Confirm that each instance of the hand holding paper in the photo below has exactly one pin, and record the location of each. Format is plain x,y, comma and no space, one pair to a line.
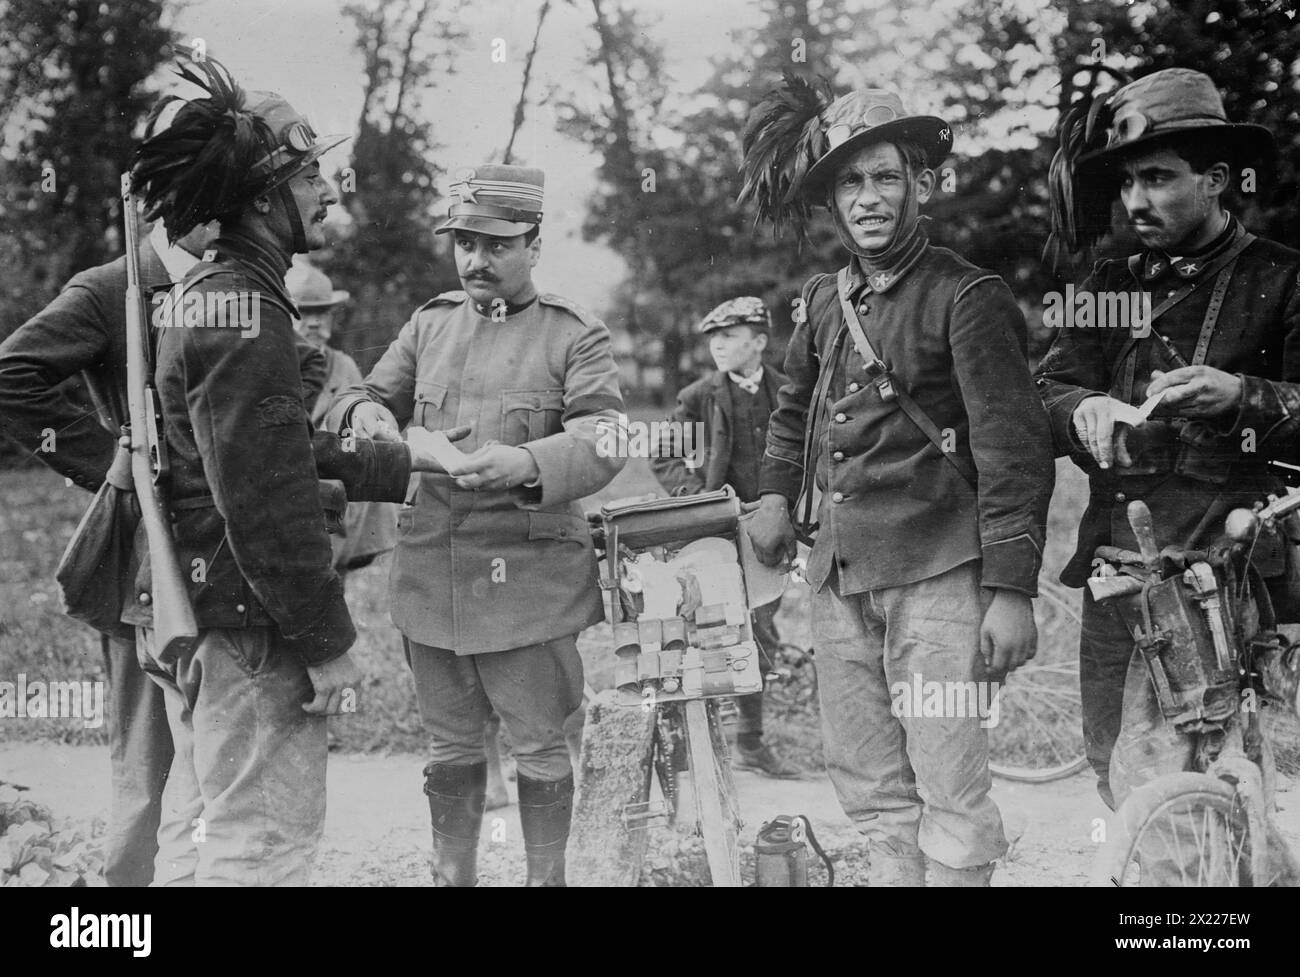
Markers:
433,451
1135,416
1198,391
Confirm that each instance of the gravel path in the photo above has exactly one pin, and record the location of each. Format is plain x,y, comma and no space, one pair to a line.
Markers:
377,830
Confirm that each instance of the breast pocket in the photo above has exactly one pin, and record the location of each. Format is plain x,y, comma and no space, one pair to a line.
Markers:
428,413
529,415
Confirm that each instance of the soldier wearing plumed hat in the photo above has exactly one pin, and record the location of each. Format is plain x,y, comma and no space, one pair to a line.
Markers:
909,407
1217,348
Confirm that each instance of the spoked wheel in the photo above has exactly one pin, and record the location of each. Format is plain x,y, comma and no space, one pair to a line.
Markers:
713,791
1187,830
1038,736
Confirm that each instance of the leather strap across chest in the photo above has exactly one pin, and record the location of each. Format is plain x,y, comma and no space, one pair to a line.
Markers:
890,389
1225,263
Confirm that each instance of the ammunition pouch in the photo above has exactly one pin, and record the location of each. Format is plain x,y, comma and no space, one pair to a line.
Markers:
1174,638
1181,447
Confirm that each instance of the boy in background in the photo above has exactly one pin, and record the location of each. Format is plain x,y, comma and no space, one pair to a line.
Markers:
731,407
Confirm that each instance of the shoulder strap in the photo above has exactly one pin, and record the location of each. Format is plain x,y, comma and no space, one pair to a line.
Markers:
1224,263
891,390
1212,314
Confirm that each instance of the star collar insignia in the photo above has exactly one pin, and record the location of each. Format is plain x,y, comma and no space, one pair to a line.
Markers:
1191,268
881,280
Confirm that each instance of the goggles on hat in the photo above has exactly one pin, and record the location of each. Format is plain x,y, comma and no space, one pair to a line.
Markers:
298,139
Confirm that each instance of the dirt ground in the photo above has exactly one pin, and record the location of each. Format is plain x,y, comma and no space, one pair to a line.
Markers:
377,828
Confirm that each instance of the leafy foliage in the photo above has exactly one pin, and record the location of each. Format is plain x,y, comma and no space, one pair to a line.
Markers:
72,90
385,255
35,851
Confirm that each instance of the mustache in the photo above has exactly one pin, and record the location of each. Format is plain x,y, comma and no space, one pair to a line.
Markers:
481,276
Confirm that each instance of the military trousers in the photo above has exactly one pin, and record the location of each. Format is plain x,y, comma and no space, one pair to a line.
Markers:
140,752
915,778
244,803
533,689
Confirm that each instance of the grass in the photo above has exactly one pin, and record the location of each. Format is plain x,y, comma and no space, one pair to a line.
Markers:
38,513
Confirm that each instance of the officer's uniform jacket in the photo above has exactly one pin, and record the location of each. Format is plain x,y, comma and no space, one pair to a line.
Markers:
246,507
494,570
707,401
893,509
1190,473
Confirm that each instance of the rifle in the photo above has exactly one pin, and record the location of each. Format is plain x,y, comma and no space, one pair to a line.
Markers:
175,628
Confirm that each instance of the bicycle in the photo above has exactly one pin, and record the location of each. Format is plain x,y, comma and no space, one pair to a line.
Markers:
675,661
1205,629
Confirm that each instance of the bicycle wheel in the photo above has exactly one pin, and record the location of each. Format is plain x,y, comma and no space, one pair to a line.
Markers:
1185,830
1039,733
713,791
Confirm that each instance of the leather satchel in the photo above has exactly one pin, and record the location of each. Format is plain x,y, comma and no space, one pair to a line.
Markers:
98,568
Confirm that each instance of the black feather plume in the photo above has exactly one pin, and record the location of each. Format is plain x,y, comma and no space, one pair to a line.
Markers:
782,139
200,168
1080,210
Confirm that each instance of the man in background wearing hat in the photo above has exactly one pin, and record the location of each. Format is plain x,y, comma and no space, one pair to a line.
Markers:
245,797
494,573
1226,307
910,403
730,407
369,528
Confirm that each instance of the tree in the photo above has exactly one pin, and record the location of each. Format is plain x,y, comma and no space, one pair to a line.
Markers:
385,255
666,200
518,121
72,91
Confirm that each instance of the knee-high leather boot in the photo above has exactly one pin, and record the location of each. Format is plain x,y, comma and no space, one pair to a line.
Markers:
456,795
545,808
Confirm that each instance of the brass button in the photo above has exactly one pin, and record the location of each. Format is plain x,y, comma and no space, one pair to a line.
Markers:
240,608
853,388
838,456
837,497
1121,497
145,598
841,418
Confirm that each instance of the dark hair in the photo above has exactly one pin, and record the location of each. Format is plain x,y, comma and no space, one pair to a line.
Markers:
913,154
531,235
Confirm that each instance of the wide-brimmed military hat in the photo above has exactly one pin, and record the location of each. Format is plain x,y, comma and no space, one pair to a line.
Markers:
504,201
311,289
873,115
747,310
1172,102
